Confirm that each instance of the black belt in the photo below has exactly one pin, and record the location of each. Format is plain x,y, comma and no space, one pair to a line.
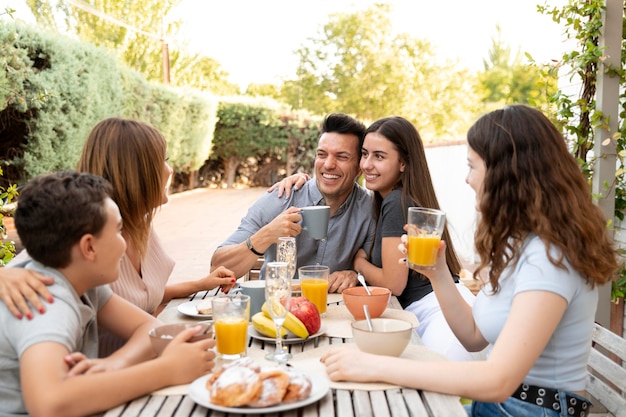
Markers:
549,398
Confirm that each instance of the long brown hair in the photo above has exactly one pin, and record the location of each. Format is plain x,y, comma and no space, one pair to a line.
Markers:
533,184
130,154
415,181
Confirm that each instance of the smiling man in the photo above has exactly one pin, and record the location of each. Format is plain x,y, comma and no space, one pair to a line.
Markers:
351,225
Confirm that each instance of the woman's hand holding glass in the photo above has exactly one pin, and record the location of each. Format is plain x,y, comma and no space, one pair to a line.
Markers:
440,265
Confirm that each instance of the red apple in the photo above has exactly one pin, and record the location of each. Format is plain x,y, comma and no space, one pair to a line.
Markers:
307,313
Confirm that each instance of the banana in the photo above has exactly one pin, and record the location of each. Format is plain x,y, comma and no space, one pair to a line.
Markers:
265,325
292,323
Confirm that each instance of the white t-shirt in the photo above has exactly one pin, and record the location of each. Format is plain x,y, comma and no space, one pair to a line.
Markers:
562,364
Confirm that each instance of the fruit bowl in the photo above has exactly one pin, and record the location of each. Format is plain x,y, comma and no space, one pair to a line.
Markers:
160,336
354,298
390,336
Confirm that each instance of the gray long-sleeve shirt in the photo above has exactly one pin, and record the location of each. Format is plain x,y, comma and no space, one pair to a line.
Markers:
351,228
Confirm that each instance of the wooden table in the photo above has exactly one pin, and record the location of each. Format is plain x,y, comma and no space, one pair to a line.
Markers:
399,402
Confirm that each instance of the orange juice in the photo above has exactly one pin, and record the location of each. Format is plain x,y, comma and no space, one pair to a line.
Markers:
315,290
422,250
231,335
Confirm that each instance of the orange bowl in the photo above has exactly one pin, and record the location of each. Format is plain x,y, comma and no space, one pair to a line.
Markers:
356,297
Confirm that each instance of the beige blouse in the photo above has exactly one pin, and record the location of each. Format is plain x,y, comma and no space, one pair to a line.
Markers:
145,291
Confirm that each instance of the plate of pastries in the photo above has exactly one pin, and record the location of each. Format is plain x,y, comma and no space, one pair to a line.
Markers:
244,387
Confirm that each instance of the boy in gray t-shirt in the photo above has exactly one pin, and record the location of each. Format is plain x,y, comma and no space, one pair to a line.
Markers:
72,230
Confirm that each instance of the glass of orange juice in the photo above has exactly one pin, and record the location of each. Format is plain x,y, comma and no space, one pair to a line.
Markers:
314,285
231,314
425,227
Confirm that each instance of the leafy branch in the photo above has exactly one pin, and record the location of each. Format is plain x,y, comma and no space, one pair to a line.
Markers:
7,248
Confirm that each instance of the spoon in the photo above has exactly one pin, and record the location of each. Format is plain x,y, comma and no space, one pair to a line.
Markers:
368,318
362,281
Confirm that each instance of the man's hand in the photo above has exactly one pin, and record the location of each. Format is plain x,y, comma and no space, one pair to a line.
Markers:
340,280
285,224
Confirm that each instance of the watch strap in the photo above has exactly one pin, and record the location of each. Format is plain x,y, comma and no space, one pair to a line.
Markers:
251,248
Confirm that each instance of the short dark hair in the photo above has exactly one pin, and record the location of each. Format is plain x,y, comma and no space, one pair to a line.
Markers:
342,123
55,210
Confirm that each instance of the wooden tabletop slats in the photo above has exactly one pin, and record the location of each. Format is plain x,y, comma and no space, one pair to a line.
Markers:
396,402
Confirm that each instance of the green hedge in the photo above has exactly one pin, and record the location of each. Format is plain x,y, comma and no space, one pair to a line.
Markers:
54,90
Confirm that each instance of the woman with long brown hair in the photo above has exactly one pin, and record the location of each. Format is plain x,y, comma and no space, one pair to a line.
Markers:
395,168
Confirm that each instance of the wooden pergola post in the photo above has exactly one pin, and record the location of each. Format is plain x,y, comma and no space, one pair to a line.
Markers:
607,99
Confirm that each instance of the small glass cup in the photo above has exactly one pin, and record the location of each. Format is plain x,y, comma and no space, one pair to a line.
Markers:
314,285
286,251
231,314
277,294
425,227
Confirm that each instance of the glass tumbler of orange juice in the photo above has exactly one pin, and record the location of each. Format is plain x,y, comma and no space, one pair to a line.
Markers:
231,314
314,285
425,227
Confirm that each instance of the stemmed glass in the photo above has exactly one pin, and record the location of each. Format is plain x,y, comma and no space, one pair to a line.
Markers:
286,252
277,293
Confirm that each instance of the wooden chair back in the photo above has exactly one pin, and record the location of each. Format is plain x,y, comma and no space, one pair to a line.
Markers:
606,377
255,271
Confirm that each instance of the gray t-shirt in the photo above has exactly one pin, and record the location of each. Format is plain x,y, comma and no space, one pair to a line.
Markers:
563,362
349,229
70,321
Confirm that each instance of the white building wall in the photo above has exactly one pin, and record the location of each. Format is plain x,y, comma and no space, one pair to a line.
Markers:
448,168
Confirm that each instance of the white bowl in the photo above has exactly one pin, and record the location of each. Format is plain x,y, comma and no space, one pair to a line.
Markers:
390,336
162,335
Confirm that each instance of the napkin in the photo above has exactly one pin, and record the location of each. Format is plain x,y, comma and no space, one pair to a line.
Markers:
334,298
310,361
338,320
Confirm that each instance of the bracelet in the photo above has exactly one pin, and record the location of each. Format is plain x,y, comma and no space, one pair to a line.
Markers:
249,245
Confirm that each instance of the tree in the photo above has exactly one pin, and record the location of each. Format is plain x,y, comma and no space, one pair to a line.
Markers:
358,66
507,80
7,248
263,90
243,131
203,73
136,32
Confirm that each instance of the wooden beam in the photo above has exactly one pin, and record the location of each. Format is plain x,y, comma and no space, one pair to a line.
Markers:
607,98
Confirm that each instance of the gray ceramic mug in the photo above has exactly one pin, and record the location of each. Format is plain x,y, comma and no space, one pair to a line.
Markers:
315,221
256,290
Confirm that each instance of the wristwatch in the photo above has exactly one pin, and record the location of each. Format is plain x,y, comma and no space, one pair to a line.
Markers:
249,245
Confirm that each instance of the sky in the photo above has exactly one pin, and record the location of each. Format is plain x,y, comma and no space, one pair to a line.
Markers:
254,40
